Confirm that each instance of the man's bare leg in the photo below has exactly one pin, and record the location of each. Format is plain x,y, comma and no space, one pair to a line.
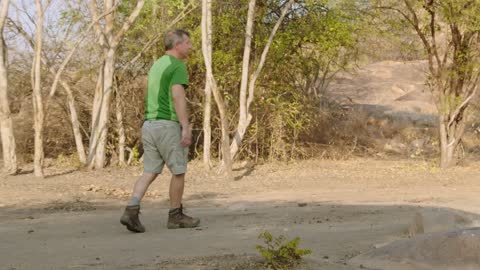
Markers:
130,216
176,218
177,185
141,187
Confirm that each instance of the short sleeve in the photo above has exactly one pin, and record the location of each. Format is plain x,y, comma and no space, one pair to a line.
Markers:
180,75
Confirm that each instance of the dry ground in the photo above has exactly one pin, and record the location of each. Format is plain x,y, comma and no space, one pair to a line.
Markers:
339,209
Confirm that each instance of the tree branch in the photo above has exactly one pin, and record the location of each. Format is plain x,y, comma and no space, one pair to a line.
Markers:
98,29
127,24
430,9
69,56
416,25
3,14
461,107
263,57
155,38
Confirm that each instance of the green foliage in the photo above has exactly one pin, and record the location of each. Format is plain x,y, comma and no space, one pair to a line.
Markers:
316,39
450,103
278,254
153,20
287,114
461,12
319,40
135,155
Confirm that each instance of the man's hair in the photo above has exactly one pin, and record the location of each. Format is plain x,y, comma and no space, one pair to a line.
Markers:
174,37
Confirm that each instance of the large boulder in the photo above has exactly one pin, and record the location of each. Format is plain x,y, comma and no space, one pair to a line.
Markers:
452,250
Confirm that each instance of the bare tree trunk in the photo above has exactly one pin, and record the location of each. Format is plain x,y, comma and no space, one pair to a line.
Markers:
97,100
206,46
120,127
462,82
207,128
75,123
108,72
37,93
452,129
445,159
448,144
226,164
6,125
103,93
245,117
98,97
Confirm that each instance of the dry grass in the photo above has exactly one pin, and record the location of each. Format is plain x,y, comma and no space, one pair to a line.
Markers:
341,134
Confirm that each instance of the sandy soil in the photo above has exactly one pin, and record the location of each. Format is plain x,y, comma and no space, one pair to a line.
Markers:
339,209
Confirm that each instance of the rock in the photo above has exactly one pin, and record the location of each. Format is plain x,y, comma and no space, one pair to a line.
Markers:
452,250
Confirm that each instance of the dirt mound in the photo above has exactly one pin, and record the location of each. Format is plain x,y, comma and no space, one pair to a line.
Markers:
453,250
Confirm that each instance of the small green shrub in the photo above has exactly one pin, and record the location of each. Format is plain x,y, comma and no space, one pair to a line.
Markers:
278,254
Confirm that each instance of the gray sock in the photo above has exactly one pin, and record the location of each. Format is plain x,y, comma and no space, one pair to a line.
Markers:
133,201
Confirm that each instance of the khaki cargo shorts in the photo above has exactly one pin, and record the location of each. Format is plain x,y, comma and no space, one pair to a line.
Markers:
161,145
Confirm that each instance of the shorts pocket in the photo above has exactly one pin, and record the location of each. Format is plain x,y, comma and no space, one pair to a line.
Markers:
181,156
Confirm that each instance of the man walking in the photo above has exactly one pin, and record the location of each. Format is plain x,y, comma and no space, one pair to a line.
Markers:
166,134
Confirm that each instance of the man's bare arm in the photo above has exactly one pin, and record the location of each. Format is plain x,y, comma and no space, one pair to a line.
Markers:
180,104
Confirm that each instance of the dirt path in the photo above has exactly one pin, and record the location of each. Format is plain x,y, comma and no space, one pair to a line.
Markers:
70,221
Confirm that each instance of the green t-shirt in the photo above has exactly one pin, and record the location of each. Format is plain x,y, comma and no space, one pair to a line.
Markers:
165,72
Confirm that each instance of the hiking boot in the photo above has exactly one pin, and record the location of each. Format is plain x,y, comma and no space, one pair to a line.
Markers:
130,219
177,219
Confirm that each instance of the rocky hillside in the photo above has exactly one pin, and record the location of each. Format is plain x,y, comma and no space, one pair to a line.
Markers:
396,89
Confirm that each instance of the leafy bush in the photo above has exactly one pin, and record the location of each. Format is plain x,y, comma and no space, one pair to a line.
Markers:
278,254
